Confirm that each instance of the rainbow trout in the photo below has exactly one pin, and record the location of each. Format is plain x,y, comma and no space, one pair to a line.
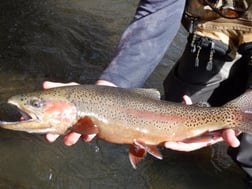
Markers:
125,116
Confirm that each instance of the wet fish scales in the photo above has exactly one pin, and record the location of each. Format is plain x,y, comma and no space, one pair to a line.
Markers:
125,116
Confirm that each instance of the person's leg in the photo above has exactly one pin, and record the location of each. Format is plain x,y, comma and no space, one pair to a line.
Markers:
243,154
212,88
200,70
202,85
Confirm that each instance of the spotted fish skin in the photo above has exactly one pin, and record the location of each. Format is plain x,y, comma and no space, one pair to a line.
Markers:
126,116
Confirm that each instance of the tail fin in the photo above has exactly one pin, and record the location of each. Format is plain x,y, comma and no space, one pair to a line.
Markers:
244,102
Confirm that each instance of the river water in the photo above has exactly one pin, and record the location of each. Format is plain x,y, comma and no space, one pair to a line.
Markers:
74,40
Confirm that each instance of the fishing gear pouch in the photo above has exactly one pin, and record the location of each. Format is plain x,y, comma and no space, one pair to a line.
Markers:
199,70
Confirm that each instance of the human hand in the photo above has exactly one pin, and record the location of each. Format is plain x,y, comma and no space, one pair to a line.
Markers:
72,137
207,139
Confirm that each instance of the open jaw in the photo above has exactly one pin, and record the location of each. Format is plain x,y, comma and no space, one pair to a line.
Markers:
11,113
13,117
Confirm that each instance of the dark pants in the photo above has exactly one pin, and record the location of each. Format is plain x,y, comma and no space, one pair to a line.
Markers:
191,77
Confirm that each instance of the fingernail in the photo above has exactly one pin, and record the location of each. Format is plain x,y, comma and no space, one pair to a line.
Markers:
51,137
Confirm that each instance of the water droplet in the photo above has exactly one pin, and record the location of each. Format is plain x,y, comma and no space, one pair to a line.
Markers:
50,174
97,149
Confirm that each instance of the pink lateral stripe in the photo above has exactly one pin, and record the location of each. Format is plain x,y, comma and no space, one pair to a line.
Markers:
152,115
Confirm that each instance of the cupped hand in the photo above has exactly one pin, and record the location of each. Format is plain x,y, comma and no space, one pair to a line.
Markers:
206,139
227,135
72,137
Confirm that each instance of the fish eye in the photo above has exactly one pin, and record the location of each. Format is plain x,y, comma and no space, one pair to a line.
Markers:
36,102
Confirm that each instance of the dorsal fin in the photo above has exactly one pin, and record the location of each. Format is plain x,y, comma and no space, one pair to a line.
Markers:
150,93
202,104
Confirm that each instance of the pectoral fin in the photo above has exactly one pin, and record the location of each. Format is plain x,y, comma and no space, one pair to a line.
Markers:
85,126
138,150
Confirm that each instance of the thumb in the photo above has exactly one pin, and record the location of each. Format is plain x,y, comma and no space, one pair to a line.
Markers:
187,100
49,84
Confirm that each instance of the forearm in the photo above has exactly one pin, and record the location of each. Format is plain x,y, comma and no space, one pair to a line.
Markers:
144,42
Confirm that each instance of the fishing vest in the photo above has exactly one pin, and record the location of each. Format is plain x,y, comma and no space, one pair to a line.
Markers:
201,19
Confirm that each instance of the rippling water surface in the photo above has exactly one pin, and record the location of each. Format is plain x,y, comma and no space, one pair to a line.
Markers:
62,40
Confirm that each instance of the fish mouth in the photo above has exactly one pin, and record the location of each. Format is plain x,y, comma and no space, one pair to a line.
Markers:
20,118
11,113
24,115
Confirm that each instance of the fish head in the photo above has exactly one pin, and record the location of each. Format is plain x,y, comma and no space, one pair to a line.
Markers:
42,112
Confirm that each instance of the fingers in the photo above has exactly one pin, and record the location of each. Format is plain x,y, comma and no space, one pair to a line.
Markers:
88,138
184,147
187,100
229,136
51,137
71,138
193,144
106,83
49,84
208,138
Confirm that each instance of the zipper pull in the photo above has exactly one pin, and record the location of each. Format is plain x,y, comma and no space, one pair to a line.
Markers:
193,46
209,66
193,21
197,56
191,26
